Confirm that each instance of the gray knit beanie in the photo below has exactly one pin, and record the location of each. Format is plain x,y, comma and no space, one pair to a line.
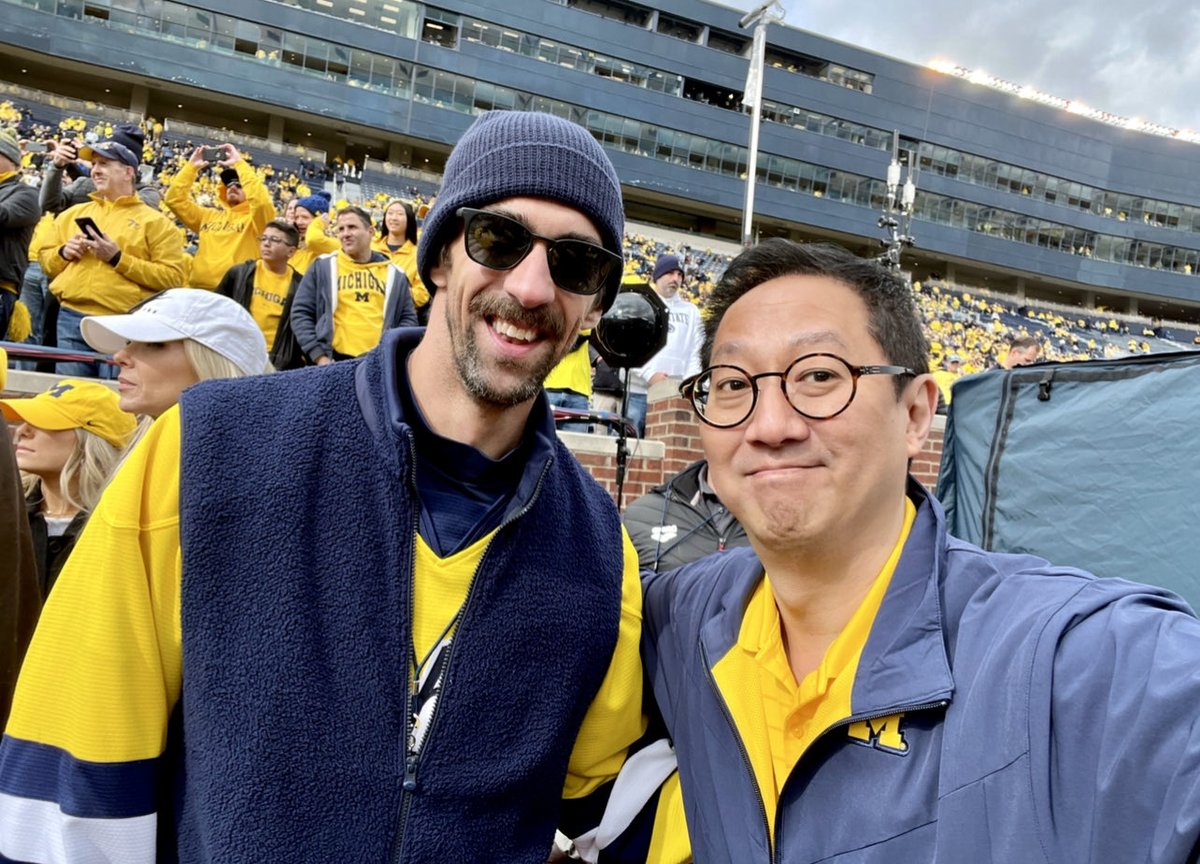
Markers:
506,154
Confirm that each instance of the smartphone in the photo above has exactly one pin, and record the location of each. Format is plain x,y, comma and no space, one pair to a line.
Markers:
35,146
213,154
89,227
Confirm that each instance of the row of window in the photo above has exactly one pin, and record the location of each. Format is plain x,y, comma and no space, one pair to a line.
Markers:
823,124
697,33
212,31
1051,235
571,57
583,60
948,162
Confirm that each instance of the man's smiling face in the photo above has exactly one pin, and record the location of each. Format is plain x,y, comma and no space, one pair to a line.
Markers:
509,328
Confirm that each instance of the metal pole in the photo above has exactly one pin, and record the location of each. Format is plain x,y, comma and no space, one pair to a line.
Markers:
754,94
760,17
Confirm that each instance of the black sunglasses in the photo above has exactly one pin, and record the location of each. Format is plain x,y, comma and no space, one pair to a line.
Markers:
500,242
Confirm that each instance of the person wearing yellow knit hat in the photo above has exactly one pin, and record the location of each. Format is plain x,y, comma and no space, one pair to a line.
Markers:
70,438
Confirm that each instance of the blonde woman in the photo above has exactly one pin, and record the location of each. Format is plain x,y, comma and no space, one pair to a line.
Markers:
173,340
68,441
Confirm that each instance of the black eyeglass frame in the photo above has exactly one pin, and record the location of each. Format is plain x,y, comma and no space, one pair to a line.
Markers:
687,388
554,246
274,241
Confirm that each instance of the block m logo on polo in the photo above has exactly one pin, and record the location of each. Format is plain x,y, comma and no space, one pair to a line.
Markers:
882,733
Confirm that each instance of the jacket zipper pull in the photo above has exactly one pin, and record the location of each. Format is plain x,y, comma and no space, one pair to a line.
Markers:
410,773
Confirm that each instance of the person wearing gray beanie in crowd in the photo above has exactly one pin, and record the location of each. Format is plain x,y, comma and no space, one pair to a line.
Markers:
396,619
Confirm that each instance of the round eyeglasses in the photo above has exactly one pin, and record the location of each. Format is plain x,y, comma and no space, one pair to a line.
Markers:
817,386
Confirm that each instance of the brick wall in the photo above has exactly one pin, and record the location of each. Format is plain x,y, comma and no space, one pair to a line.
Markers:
673,442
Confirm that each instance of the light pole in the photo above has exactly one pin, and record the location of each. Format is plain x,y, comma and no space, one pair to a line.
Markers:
758,18
897,208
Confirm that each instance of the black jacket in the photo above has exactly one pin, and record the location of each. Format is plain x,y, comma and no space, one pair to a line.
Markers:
668,531
50,553
238,284
19,212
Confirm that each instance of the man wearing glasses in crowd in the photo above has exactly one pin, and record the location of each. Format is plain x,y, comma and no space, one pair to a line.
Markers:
227,231
266,287
861,686
319,616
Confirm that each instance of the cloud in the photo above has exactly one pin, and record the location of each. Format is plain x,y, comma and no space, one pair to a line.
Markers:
1137,59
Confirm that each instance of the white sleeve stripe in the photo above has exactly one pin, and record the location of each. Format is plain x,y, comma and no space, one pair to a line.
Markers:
641,776
40,833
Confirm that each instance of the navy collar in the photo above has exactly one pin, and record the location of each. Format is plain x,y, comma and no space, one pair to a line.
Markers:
378,382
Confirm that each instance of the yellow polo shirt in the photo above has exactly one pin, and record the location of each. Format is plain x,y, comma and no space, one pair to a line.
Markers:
778,718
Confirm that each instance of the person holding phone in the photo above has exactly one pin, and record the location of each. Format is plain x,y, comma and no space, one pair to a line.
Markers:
106,255
228,232
55,196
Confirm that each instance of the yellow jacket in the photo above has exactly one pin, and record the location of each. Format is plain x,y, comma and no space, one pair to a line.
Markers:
151,256
228,235
573,372
42,232
406,259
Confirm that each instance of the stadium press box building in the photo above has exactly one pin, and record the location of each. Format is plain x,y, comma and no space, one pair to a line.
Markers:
1017,191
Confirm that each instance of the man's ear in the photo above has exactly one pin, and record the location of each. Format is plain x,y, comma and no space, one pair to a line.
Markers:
594,314
920,399
439,273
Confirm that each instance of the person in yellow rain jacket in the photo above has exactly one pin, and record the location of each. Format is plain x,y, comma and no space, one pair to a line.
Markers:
109,254
228,233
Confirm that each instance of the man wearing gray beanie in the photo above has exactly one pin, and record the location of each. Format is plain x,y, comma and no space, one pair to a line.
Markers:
397,618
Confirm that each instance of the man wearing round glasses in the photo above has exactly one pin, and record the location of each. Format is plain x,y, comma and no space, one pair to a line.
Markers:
343,607
859,685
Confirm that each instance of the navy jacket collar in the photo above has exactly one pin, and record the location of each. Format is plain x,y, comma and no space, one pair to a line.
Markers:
377,383
905,662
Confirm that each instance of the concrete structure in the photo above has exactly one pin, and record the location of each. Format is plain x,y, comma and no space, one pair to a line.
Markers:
1013,194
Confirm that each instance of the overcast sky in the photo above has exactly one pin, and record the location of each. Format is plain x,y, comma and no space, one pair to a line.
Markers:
1135,58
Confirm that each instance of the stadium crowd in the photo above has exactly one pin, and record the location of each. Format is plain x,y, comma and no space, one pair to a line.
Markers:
960,321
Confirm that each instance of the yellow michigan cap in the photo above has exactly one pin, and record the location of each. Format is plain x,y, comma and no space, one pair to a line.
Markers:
74,404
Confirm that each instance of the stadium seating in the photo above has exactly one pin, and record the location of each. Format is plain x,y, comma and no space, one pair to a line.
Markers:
962,320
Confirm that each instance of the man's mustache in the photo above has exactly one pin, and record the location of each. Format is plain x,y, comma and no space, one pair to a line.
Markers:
546,320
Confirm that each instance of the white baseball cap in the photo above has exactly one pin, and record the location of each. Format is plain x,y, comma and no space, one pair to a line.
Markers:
213,320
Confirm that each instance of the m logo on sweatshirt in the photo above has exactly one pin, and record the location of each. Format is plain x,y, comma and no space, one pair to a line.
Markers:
882,733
